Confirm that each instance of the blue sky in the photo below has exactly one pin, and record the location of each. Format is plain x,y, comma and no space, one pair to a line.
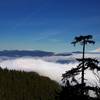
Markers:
48,24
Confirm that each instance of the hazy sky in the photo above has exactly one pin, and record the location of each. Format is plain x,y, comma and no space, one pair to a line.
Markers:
47,24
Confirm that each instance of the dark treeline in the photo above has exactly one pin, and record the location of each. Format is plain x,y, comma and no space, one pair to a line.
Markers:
17,85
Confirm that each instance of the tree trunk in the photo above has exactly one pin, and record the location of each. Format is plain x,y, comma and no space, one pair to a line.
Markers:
82,81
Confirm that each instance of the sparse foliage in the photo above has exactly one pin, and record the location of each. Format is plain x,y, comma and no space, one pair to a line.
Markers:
84,64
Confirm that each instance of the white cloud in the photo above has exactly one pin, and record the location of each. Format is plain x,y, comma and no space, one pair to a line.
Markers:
96,50
50,69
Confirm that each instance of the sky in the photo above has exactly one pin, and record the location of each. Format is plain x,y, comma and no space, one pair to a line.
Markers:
48,25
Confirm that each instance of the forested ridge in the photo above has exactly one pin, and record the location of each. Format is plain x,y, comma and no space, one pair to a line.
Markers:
18,85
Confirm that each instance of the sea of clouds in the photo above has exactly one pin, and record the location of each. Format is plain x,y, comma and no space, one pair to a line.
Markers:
48,66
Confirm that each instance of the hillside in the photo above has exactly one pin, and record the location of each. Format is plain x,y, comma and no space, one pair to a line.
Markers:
17,85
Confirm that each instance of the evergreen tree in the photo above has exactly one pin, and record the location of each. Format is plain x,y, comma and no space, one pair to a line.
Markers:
18,85
83,40
84,64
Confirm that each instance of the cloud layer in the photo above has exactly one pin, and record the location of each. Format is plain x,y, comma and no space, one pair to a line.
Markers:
50,69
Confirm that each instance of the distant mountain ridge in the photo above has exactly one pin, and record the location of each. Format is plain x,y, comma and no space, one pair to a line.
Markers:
37,53
21,53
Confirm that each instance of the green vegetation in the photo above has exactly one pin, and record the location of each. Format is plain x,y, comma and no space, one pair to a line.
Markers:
17,85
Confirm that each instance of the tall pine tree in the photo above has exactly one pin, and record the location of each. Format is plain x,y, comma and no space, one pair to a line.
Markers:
84,64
